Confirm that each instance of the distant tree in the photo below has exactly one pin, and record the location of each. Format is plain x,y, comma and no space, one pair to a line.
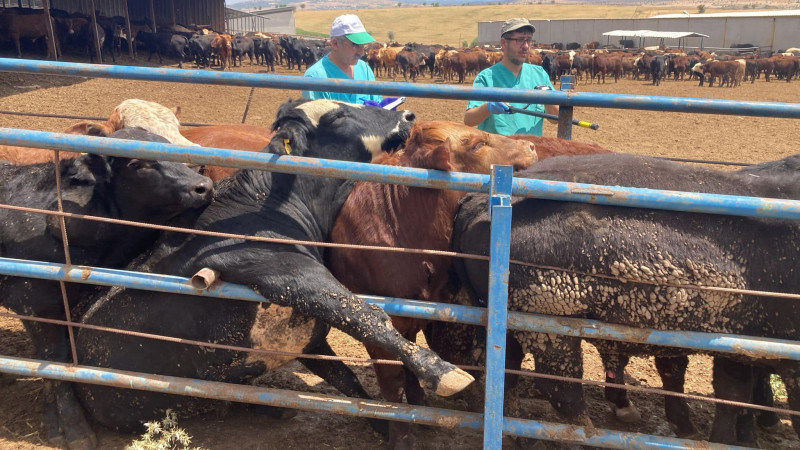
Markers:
424,3
701,9
302,5
474,42
464,44
399,4
390,34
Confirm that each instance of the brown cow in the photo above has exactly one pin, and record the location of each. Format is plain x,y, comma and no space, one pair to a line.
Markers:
405,216
234,137
28,27
721,69
606,63
222,47
388,57
466,62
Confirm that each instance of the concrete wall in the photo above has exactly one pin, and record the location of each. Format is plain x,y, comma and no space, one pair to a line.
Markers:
769,32
275,20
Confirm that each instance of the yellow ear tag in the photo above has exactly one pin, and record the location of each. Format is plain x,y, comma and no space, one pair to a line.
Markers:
286,147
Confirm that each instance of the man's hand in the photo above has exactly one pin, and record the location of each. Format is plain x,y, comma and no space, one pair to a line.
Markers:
497,108
382,103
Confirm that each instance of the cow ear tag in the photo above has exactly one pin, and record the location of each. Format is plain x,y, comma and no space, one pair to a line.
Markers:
287,147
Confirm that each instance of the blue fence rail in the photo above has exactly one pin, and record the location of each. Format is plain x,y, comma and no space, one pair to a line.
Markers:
494,425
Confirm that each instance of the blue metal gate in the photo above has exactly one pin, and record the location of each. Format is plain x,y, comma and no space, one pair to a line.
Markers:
499,184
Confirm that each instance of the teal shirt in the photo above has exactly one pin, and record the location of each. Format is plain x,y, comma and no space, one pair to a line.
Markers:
499,76
325,68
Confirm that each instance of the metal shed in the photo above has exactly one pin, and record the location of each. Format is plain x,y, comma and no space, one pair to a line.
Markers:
156,13
661,35
275,20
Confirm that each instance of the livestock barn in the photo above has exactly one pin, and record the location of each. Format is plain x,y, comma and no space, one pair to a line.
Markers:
128,14
773,30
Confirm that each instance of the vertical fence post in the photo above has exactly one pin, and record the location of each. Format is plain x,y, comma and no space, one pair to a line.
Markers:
565,112
500,212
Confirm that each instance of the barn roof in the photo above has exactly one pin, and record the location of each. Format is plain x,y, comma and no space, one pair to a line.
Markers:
654,34
783,13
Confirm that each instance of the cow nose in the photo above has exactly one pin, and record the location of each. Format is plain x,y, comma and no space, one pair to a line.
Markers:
202,191
409,116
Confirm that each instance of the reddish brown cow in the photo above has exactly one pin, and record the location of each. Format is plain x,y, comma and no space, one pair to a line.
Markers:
721,69
234,137
548,147
26,26
221,45
405,216
605,63
466,62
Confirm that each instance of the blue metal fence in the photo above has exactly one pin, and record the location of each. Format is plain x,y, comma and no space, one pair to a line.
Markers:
499,184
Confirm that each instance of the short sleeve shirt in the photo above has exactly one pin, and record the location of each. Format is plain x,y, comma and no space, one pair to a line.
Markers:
325,68
498,75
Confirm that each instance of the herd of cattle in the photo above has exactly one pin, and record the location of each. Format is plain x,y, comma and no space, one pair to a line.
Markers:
624,266
206,48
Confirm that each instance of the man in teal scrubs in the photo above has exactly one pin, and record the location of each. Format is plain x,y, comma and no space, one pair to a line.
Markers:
511,72
348,37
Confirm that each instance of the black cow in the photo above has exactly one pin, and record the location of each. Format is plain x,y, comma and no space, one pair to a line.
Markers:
266,204
312,51
627,43
200,50
659,69
164,43
573,46
294,51
123,188
653,246
266,52
241,46
427,52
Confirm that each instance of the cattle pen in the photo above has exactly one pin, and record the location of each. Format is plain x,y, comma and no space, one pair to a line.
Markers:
501,185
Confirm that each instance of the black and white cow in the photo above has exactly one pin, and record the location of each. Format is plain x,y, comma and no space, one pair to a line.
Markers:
123,188
659,247
307,299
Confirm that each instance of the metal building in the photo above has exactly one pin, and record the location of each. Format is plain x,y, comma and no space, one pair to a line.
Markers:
275,20
773,30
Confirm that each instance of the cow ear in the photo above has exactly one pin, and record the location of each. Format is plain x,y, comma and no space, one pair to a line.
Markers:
79,128
99,129
177,111
289,140
91,169
437,157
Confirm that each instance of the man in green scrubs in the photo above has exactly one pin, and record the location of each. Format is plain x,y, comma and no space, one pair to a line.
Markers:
348,37
511,72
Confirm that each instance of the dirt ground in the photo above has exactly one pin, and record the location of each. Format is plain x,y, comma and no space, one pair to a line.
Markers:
709,137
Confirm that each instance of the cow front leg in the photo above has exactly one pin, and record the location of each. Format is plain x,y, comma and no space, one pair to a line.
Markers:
319,295
731,381
673,377
614,365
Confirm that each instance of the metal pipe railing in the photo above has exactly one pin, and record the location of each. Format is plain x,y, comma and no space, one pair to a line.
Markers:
552,190
339,405
565,98
585,328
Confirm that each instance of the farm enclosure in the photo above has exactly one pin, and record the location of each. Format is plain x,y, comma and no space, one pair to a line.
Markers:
643,132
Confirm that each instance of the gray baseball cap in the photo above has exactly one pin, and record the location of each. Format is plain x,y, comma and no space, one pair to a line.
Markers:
516,24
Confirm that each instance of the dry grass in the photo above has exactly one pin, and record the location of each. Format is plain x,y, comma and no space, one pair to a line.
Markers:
454,24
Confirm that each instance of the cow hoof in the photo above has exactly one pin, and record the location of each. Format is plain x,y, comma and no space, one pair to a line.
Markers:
453,382
628,414
82,444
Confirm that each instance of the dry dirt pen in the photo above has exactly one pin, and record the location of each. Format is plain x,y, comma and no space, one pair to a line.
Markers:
710,137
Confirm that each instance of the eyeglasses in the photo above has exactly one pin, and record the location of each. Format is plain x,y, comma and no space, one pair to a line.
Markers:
521,41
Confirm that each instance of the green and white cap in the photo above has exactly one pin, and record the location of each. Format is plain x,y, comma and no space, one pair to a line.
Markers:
350,26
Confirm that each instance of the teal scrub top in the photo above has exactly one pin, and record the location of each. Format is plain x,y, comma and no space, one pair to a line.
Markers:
498,75
325,68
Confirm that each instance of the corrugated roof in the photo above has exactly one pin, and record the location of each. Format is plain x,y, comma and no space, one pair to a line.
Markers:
773,13
654,34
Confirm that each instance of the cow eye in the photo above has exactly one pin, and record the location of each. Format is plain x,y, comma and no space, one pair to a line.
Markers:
478,145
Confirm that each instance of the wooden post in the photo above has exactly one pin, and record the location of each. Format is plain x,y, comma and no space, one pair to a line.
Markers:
97,50
51,37
153,17
172,9
128,30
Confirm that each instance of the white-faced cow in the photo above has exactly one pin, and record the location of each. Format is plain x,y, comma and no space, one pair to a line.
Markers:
124,188
306,298
662,247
